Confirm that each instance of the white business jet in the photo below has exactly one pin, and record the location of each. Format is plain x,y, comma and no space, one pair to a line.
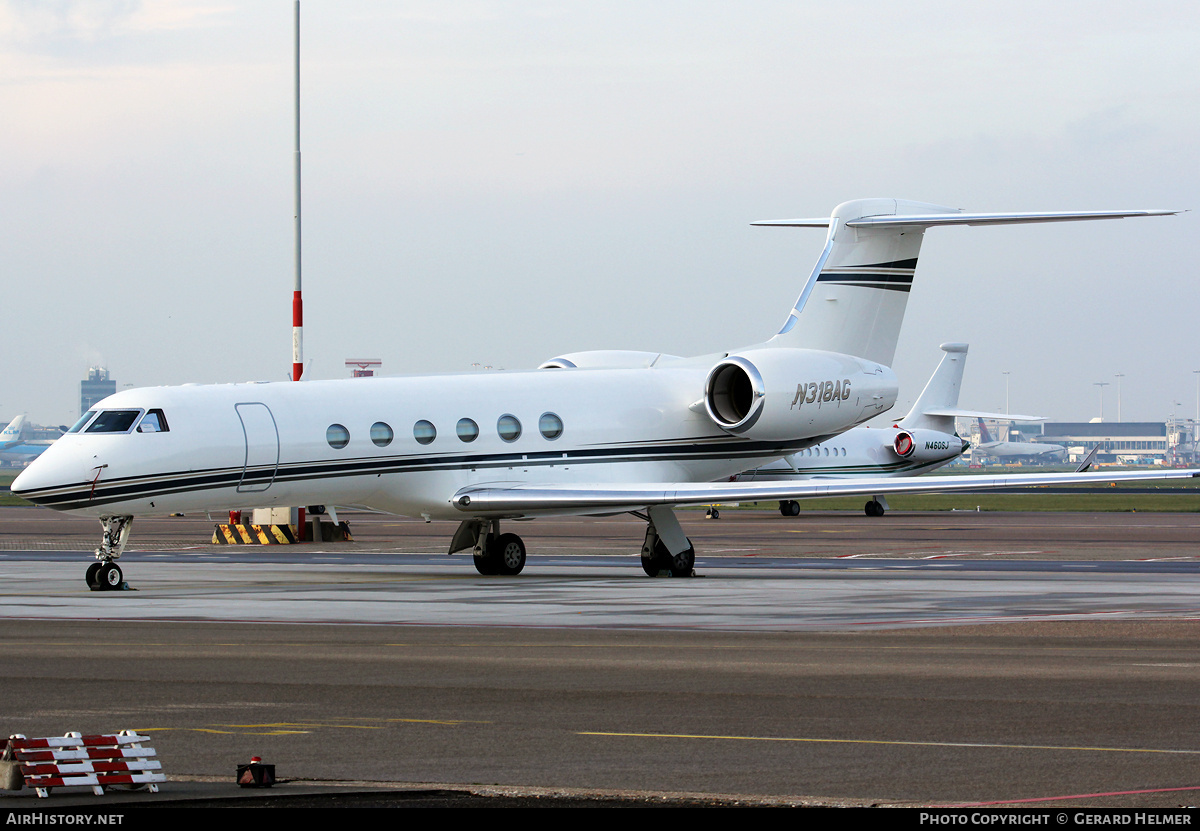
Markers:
923,440
592,433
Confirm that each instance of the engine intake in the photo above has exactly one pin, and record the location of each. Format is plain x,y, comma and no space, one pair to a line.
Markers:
785,394
734,394
920,445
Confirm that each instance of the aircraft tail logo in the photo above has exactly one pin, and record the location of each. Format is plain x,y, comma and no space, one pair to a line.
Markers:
984,436
11,434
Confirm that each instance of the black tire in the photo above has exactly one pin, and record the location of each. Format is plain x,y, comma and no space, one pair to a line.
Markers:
651,565
93,584
108,577
679,565
874,508
684,563
486,560
716,514
789,507
509,554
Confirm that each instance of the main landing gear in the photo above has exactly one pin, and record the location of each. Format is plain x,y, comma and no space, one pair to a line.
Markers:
876,507
789,507
105,574
494,553
666,550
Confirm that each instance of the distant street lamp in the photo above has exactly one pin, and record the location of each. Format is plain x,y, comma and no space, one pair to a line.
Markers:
1101,385
1119,377
1196,432
1008,411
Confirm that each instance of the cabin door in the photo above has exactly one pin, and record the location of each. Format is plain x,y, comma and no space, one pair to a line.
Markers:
262,447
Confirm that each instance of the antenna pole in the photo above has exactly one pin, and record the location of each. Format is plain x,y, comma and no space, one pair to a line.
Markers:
297,302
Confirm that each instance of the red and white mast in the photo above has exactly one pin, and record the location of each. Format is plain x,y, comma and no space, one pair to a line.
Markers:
297,302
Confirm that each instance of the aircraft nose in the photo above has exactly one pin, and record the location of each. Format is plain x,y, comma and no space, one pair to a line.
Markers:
47,474
26,481
36,477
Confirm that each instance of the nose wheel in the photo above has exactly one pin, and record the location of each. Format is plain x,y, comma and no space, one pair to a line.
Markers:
105,574
103,577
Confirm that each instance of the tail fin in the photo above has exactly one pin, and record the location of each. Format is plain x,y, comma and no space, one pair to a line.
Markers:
936,403
984,436
12,433
854,300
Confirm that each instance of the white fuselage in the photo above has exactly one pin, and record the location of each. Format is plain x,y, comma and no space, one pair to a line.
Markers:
281,444
863,451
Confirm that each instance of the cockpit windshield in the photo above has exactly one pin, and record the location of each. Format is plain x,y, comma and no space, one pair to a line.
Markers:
113,421
83,419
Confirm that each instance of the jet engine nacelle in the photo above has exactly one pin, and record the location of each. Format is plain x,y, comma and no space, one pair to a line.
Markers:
608,359
918,445
786,394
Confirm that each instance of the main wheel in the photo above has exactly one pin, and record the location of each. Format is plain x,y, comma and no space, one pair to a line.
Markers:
509,554
651,565
679,565
874,508
486,561
683,563
789,507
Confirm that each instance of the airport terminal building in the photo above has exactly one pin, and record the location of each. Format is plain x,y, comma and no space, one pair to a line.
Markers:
1120,442
1170,443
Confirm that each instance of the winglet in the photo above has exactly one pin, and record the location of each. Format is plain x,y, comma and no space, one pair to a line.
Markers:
1087,462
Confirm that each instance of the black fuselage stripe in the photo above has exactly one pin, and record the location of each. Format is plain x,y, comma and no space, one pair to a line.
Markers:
85,494
857,276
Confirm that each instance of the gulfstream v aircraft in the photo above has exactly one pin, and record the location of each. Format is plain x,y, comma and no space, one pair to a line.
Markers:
922,441
592,433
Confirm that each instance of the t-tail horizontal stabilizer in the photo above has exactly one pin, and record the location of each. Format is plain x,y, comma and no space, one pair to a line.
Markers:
853,301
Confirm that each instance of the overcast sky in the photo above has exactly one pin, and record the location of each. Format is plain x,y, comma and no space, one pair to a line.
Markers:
502,182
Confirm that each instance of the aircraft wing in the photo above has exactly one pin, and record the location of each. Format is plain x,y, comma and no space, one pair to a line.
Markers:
532,500
957,413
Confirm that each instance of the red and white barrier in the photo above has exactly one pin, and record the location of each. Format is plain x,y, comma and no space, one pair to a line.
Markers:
91,761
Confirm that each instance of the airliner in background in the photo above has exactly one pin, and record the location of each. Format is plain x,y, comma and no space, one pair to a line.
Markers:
923,440
591,433
1014,450
16,452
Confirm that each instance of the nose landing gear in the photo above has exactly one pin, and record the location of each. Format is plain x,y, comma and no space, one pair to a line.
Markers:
105,574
